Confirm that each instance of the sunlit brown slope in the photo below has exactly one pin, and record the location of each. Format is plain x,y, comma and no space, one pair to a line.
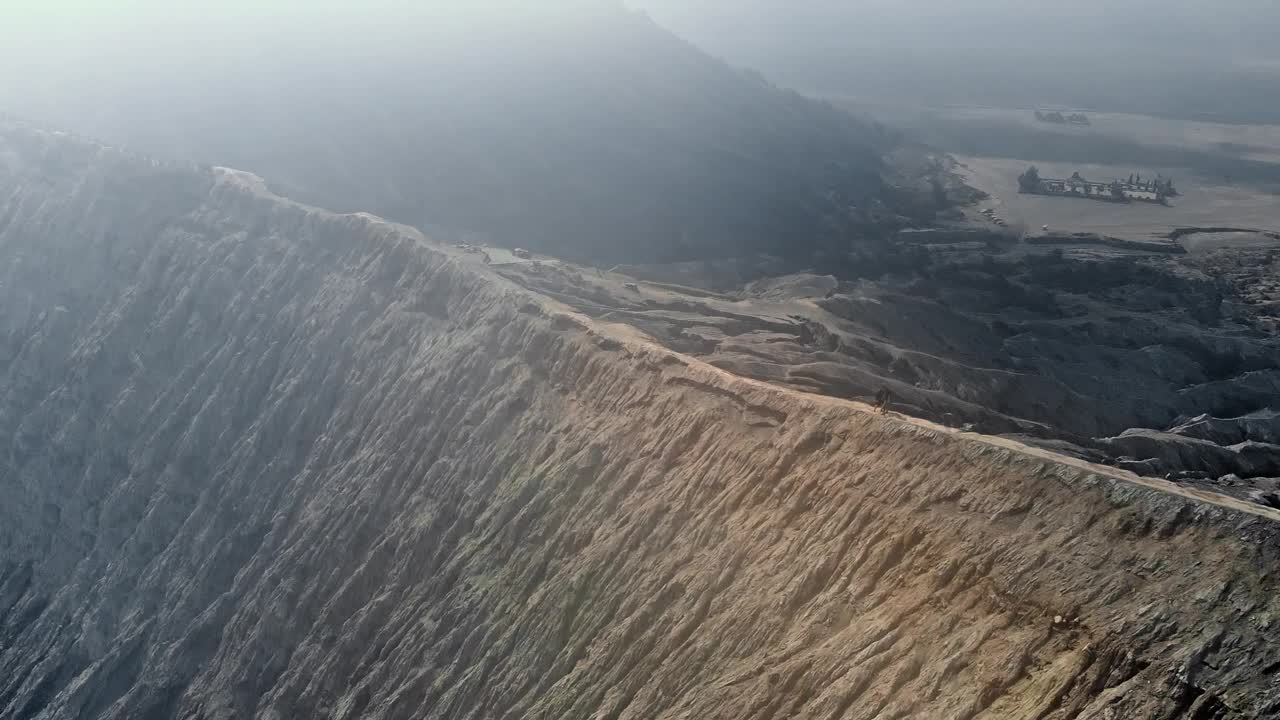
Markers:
261,461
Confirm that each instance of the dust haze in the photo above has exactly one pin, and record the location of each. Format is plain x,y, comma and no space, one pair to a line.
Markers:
590,359
1180,57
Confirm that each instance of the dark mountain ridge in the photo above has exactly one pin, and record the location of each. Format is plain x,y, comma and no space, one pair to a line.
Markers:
591,133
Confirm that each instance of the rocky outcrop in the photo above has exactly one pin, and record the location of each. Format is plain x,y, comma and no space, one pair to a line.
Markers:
262,461
1171,453
1262,426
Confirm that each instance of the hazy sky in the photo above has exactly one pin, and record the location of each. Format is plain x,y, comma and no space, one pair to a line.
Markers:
943,49
1138,23
756,28
45,45
782,21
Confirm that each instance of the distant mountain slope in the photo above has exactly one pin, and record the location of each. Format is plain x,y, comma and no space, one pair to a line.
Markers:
591,133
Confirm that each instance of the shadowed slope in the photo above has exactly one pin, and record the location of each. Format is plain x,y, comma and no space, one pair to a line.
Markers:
589,132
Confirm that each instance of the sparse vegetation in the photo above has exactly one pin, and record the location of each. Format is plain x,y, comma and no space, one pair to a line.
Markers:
1029,181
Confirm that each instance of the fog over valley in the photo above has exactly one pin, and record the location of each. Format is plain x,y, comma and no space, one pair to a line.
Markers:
1177,57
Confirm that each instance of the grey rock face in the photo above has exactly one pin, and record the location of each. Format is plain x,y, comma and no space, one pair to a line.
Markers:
257,460
1171,453
1262,426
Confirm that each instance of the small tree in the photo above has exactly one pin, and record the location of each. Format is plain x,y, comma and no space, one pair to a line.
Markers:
1029,181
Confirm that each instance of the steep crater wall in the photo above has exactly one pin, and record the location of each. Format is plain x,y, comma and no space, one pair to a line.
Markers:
262,461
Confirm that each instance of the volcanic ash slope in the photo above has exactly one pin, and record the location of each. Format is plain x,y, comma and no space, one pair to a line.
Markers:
257,460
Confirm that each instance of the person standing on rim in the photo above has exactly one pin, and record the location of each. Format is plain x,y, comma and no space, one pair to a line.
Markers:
883,398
